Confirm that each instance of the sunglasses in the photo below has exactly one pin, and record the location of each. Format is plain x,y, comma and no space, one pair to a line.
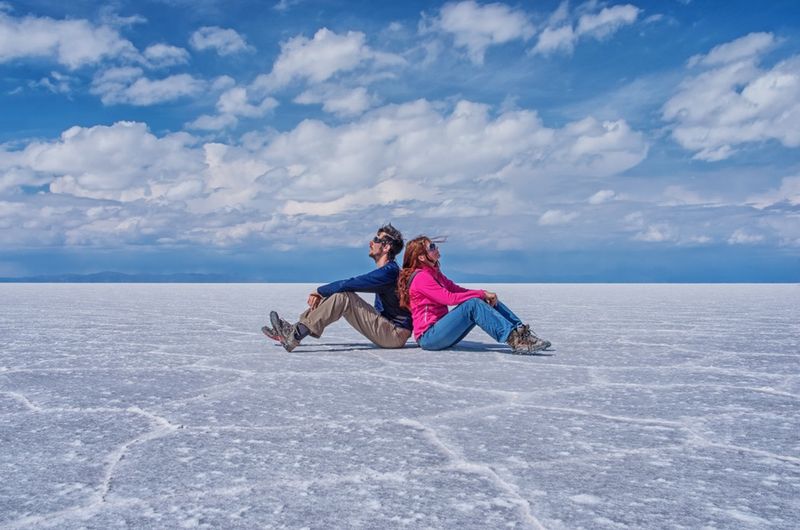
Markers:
432,247
382,241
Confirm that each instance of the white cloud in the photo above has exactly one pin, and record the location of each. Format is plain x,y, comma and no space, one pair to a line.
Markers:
789,192
561,38
233,103
602,196
434,164
162,55
320,58
127,85
607,21
557,217
56,83
734,102
105,161
475,27
285,5
677,195
634,220
656,233
748,47
561,34
415,141
72,43
384,193
339,101
742,237
236,102
224,41
208,122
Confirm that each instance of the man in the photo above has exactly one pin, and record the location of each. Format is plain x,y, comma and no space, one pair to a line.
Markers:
387,325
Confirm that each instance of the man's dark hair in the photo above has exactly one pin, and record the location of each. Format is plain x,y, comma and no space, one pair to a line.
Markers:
393,238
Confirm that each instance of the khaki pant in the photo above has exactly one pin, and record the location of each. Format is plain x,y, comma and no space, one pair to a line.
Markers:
362,316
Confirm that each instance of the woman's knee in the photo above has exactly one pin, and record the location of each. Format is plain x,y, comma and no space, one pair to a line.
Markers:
473,307
472,303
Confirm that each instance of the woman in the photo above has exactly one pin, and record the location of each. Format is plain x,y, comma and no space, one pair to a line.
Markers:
426,292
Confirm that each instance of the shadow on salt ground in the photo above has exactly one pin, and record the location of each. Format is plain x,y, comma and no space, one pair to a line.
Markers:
469,345
334,347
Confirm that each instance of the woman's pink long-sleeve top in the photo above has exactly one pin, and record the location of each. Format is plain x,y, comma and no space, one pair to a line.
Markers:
429,295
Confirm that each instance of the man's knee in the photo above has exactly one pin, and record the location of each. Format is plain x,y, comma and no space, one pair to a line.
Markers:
342,297
338,296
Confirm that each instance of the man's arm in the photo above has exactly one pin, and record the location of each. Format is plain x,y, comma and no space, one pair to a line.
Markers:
370,282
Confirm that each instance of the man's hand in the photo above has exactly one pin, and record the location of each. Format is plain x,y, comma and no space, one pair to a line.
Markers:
314,299
490,297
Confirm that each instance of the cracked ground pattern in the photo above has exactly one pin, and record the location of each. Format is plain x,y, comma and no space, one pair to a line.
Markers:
163,406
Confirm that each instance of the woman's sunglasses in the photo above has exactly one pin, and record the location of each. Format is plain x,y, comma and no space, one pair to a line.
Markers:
432,246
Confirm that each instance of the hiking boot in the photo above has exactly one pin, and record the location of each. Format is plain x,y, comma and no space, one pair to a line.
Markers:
285,331
271,333
536,343
518,341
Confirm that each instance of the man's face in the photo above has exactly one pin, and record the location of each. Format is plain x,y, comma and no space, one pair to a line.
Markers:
378,249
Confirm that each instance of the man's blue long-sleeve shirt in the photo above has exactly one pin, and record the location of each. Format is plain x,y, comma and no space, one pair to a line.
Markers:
383,282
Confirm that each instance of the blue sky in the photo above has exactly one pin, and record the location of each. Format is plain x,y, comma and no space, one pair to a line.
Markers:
550,141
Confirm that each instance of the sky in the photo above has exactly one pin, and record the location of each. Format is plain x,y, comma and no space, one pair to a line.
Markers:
548,141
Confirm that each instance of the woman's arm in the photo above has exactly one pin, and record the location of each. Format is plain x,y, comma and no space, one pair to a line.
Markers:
425,285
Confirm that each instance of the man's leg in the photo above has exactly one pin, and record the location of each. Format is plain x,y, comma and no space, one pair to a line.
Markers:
456,324
359,314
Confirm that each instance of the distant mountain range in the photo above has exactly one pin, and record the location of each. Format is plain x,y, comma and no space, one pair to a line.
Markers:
121,277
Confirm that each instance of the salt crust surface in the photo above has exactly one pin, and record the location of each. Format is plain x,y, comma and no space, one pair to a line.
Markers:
139,406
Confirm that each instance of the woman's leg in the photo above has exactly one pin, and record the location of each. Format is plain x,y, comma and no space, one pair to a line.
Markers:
455,325
508,314
447,331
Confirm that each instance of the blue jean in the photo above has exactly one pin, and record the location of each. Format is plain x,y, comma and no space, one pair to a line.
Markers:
448,331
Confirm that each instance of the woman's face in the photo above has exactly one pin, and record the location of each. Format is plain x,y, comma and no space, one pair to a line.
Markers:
432,251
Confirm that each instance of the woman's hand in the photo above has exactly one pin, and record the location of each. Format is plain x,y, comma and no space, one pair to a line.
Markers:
490,297
314,299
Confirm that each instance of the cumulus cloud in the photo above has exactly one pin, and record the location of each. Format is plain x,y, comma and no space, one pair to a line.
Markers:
235,102
342,102
733,102
742,237
213,122
419,159
788,192
320,58
656,233
475,27
557,217
223,41
127,85
162,55
561,34
56,83
105,162
384,193
748,47
72,43
602,196
415,141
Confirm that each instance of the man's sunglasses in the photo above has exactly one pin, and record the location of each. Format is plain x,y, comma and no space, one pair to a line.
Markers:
382,240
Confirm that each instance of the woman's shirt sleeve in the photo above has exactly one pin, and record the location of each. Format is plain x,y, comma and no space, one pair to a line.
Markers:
425,285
